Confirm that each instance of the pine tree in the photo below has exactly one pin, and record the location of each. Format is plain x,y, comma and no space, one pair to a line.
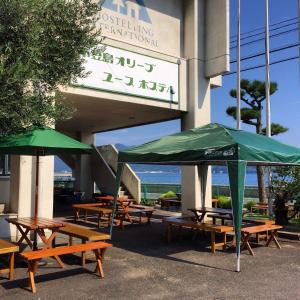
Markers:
253,94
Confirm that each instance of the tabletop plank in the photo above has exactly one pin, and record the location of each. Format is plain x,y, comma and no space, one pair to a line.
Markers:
111,198
33,224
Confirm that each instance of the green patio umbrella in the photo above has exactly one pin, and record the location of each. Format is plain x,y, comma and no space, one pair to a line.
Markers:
214,144
40,141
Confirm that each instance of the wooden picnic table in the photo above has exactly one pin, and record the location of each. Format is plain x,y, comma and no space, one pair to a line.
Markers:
123,204
190,223
201,212
224,218
91,207
38,227
142,210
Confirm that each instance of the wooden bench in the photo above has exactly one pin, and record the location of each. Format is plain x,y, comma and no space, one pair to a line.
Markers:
10,249
290,233
248,231
189,223
97,208
260,206
34,256
224,218
84,234
142,210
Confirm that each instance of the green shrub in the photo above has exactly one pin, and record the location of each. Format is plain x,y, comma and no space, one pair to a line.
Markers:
224,202
169,194
249,204
148,202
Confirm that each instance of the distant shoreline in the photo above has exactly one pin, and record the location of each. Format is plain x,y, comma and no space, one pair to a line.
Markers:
168,178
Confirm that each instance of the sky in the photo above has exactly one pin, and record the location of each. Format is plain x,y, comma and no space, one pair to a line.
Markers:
285,103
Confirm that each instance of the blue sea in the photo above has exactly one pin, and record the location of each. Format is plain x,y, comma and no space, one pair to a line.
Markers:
173,176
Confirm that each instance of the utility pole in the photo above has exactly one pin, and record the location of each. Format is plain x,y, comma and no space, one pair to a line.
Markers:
238,72
268,99
267,57
299,34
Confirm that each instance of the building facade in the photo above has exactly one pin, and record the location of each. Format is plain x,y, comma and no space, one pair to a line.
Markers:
159,62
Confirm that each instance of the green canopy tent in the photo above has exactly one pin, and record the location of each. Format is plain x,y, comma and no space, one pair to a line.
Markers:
213,144
40,141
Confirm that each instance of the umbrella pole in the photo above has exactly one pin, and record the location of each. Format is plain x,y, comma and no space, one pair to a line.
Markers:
36,204
36,207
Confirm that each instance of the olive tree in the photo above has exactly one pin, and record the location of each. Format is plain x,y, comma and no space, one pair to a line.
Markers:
42,48
286,187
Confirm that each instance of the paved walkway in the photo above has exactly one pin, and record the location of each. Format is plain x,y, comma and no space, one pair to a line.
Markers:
141,265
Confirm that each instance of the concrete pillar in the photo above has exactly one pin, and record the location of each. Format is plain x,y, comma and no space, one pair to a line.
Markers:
83,172
198,96
22,186
46,185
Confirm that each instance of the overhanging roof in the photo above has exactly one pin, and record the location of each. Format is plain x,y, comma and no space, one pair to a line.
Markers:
213,144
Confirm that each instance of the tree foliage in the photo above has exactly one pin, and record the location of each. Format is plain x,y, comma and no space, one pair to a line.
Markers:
42,48
286,183
253,94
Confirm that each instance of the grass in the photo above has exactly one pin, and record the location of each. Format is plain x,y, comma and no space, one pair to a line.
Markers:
257,216
295,222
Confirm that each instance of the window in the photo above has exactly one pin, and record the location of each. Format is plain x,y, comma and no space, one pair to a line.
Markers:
4,165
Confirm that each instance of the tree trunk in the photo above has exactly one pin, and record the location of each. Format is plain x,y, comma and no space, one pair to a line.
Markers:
260,169
261,184
281,212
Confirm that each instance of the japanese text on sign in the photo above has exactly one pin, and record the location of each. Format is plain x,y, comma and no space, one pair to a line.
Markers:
126,72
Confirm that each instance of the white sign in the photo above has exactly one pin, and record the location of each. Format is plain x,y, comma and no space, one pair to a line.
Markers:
150,24
125,72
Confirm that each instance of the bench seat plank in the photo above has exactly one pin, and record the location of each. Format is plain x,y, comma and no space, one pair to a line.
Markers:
39,254
7,247
98,209
83,233
245,219
260,228
33,256
10,249
187,222
247,231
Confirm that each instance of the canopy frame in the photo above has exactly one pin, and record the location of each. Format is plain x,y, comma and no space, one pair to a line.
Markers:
214,144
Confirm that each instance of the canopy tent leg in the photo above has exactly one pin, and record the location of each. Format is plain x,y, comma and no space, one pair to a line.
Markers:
118,183
237,174
202,173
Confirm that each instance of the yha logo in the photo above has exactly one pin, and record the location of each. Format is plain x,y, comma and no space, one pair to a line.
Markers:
135,9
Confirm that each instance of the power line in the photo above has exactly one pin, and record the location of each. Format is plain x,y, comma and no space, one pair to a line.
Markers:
256,34
289,46
262,39
262,28
263,65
